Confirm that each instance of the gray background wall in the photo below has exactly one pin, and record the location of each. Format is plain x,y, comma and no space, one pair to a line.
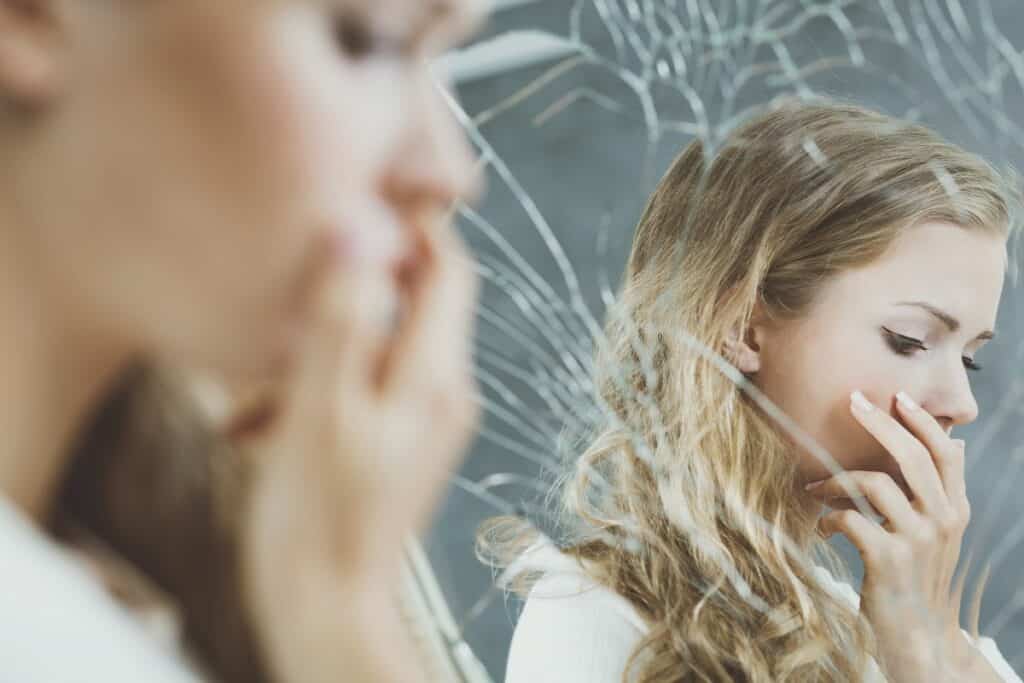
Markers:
589,168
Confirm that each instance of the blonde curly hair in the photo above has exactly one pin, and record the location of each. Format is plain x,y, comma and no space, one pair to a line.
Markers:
684,498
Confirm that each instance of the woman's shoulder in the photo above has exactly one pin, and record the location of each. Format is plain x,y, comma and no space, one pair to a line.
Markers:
571,629
574,630
58,623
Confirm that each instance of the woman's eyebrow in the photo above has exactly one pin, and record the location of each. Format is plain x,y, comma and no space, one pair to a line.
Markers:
949,321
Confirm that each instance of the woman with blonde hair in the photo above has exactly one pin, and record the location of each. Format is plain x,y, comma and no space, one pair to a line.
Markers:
849,267
235,194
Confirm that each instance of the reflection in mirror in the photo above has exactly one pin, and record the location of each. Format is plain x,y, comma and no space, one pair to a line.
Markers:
833,211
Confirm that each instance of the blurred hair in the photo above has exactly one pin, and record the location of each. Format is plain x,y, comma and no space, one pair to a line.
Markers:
686,480
155,483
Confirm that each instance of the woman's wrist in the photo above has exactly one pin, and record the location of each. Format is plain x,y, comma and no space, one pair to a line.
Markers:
976,668
349,624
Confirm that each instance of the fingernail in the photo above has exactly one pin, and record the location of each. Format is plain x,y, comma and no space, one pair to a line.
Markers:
905,401
961,443
860,402
814,484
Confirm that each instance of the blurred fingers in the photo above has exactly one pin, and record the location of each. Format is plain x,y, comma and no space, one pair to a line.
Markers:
344,337
432,350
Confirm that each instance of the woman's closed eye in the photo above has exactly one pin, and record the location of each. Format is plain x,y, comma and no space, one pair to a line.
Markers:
356,39
902,345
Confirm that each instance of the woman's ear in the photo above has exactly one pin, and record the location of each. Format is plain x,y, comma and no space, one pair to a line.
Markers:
742,350
30,59
743,345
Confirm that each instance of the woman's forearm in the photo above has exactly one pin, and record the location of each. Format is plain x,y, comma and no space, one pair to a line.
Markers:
980,669
348,630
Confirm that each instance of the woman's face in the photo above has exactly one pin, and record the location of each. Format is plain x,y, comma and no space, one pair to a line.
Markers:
914,320
188,161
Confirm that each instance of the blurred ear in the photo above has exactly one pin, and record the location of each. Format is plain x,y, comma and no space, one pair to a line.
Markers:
30,64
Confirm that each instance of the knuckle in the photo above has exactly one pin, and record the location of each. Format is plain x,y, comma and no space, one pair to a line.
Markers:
876,556
926,533
953,456
948,524
877,482
326,439
921,452
965,512
901,552
453,408
835,521
846,518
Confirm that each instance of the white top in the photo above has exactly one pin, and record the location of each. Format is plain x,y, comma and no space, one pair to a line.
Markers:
573,630
59,625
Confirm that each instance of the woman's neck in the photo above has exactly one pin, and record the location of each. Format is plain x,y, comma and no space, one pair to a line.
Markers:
51,377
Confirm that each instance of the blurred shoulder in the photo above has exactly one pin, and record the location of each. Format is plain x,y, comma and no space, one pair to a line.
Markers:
52,604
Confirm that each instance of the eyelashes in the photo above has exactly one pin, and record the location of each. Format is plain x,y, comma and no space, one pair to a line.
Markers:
902,345
353,37
357,40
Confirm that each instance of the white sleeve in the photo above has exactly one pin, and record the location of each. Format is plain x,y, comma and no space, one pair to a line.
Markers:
991,652
571,636
58,625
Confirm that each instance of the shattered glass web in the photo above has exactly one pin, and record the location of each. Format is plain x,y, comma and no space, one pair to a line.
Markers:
674,70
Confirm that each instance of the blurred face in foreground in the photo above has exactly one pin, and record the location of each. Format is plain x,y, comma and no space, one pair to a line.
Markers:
174,172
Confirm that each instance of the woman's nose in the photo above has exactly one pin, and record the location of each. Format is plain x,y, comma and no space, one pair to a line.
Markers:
952,400
433,162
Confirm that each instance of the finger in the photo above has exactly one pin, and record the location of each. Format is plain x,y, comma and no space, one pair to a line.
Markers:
877,488
958,463
911,455
249,407
345,332
863,533
946,453
252,422
433,341
959,584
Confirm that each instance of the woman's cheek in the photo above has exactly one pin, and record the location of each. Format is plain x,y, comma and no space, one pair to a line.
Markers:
338,121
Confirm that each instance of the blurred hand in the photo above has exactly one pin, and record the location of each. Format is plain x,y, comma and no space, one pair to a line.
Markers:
367,428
